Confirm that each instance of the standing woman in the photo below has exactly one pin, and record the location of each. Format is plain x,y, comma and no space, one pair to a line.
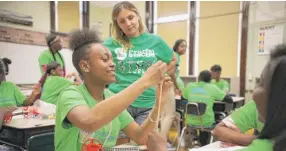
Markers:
134,50
52,54
179,48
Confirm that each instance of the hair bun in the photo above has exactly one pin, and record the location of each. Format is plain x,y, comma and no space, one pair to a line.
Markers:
81,37
7,61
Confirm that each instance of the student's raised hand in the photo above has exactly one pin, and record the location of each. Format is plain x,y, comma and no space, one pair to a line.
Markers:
156,142
167,87
36,90
155,74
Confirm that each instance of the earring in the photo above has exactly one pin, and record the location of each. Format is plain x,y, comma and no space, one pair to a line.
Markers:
85,70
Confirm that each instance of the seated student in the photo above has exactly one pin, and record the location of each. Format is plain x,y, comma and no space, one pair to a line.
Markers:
233,128
270,101
53,83
10,95
204,92
216,79
90,111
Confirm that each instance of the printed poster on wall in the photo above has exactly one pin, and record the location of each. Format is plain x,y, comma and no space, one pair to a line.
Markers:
269,37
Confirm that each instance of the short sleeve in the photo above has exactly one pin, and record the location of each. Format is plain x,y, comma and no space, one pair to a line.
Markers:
68,99
125,119
217,93
19,96
43,61
245,117
164,52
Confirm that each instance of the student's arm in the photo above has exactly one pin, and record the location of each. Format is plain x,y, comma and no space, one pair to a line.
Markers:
218,94
139,134
32,98
232,128
227,134
172,70
90,120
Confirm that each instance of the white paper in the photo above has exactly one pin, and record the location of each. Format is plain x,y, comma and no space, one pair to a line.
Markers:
269,37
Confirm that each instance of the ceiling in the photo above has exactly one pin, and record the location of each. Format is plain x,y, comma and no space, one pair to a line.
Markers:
103,4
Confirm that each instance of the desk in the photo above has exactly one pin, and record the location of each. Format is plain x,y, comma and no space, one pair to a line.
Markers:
216,147
19,130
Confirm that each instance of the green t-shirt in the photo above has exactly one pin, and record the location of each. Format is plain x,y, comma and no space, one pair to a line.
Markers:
131,65
10,95
46,57
69,137
206,93
222,84
246,118
53,87
259,145
178,79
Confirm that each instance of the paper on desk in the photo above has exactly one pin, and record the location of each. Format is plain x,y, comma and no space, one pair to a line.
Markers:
45,108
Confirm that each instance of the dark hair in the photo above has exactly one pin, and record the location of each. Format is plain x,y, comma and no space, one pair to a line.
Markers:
205,76
49,39
4,65
177,43
79,43
216,68
51,66
275,74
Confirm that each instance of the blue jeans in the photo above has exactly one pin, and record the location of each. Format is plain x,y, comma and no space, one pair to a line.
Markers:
138,114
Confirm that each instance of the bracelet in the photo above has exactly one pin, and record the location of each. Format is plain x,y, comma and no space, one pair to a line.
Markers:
153,121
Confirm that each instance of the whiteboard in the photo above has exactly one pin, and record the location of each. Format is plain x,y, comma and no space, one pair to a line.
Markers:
25,67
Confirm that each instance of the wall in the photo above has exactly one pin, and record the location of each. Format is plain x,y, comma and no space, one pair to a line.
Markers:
68,16
179,28
255,62
103,14
40,11
218,36
25,67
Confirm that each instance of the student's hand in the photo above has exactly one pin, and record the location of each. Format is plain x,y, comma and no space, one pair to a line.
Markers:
178,92
156,142
4,111
36,90
154,74
166,89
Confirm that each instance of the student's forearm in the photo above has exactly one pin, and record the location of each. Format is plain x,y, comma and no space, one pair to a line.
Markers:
108,109
30,100
147,127
228,135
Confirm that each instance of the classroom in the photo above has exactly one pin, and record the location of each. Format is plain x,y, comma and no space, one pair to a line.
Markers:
142,75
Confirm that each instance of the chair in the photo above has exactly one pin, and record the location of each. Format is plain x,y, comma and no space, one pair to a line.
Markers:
43,142
196,109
